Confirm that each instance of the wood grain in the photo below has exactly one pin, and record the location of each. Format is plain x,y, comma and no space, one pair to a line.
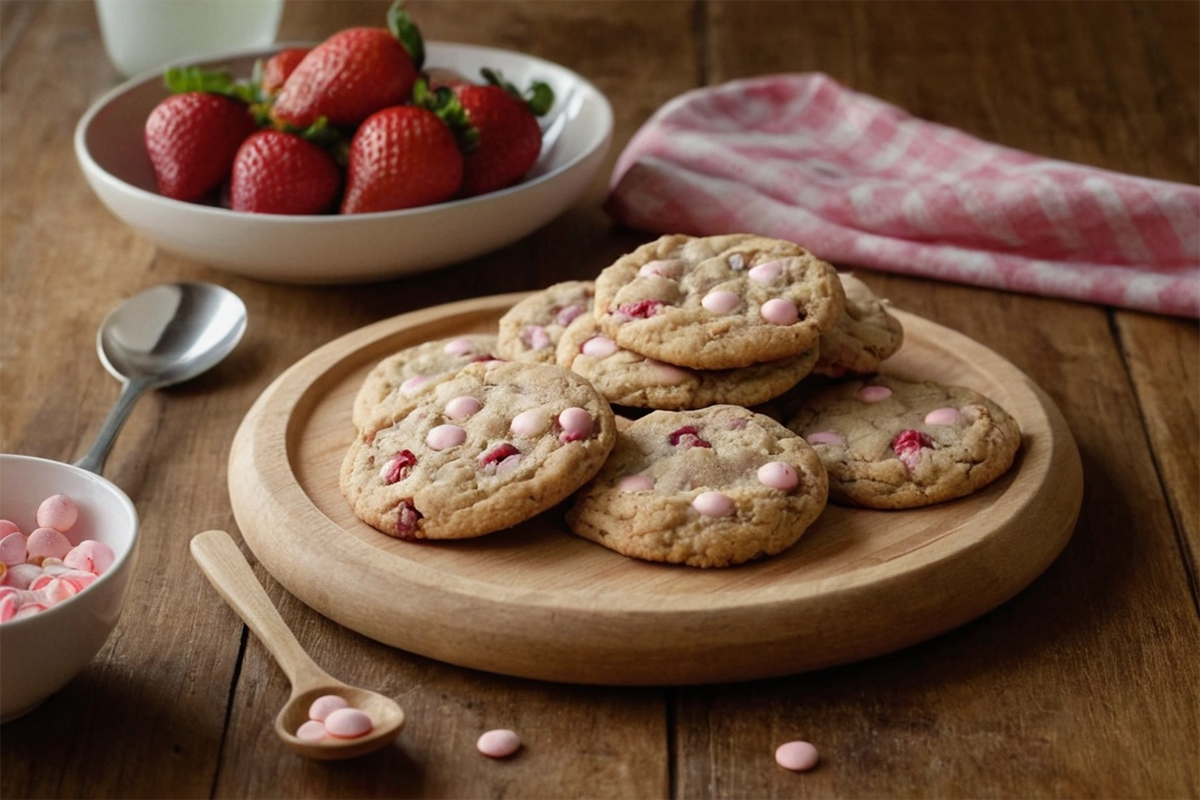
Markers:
1081,685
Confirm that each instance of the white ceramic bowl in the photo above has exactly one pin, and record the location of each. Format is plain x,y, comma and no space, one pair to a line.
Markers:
358,247
41,653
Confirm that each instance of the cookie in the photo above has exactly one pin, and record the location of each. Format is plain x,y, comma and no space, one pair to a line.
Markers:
631,379
708,488
530,330
718,302
864,336
498,443
889,443
403,373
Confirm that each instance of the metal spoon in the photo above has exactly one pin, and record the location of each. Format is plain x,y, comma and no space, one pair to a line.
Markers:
226,568
162,336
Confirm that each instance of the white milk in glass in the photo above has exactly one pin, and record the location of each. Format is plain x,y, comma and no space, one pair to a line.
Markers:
141,35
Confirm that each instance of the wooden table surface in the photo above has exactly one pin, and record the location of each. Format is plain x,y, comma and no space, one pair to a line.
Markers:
1083,685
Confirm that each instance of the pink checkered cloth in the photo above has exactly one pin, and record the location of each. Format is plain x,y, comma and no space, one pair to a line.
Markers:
863,183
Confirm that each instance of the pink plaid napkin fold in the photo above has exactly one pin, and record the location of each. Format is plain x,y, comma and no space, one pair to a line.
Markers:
860,182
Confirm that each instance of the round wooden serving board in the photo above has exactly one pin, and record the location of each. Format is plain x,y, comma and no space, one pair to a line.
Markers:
538,602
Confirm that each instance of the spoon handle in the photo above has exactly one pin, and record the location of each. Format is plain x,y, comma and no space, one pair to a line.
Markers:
93,460
230,574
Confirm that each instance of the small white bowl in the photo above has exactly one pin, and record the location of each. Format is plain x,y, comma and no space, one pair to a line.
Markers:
355,247
40,654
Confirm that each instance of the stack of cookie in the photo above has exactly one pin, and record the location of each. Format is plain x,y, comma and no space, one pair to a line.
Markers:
688,337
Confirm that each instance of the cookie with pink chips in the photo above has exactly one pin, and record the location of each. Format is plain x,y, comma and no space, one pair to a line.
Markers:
889,443
531,329
403,375
493,446
631,379
718,302
712,487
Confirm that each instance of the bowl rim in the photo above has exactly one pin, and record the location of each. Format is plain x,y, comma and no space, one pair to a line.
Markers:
600,135
119,562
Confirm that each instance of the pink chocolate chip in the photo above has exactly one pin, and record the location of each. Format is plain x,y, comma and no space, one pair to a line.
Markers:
462,407
348,723
778,311
397,467
796,756
58,512
326,703
459,347
497,454
721,301
765,273
534,337
407,519
413,383
825,437
530,422
778,475
311,731
635,483
662,268
873,393
576,424
942,416
599,347
498,743
443,437
668,374
713,504
565,315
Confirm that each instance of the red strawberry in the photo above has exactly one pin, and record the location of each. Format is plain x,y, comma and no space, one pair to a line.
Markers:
279,66
192,138
353,74
509,138
401,157
280,173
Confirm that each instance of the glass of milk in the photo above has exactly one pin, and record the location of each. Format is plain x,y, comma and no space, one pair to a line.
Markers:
142,35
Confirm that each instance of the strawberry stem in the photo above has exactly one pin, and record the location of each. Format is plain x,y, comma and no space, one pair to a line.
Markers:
403,28
444,102
179,80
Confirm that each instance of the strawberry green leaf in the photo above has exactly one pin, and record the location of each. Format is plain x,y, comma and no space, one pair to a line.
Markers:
193,79
538,98
444,102
403,28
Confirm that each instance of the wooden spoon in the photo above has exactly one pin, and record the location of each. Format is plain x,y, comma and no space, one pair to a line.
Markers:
226,568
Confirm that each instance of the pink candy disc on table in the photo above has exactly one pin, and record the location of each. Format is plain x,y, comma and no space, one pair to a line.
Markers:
796,756
721,301
941,416
462,407
323,705
779,311
58,512
499,743
874,393
348,723
713,504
